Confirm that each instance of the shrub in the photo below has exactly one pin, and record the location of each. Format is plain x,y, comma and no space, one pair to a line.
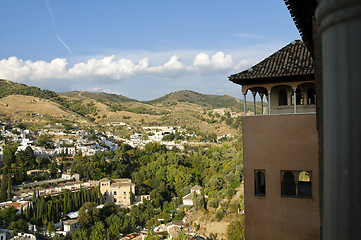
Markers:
219,214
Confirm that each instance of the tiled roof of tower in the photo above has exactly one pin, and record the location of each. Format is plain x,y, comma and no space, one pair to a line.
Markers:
291,63
302,12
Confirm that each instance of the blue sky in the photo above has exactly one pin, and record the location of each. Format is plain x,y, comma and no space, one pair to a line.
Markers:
141,49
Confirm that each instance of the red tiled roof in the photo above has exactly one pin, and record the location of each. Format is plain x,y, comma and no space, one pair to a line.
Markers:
291,63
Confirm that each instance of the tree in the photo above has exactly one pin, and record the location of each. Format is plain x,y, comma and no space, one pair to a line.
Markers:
80,234
89,214
18,226
98,231
9,154
39,160
9,189
182,236
43,140
3,188
235,230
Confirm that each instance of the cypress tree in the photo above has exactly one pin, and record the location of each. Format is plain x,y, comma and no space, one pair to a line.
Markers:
3,188
9,189
65,206
34,196
50,206
69,205
27,212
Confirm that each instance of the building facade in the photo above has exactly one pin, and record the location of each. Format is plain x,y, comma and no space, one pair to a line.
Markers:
280,147
119,191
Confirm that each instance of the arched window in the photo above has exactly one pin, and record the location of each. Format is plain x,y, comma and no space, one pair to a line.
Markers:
288,184
282,97
260,182
311,96
304,184
299,97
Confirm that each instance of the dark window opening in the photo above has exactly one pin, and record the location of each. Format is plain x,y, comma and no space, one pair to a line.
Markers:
296,184
288,184
304,184
311,96
299,97
260,182
282,97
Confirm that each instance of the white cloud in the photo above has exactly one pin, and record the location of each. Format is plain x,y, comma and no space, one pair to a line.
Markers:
244,64
99,89
112,69
204,64
17,69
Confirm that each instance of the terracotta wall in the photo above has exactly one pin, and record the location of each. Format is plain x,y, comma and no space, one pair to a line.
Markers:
276,143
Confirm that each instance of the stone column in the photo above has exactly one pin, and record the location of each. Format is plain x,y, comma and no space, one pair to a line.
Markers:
340,27
244,103
294,100
254,102
269,102
261,95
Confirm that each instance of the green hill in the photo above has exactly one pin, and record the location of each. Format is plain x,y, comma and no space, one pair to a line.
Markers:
98,96
11,88
210,101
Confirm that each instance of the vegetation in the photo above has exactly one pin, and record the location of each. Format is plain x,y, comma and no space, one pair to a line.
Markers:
235,230
212,101
44,210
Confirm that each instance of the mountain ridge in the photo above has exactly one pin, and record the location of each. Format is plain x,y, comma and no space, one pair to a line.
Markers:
180,108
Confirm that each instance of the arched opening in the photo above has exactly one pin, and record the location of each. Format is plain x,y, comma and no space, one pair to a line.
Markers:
288,184
260,182
299,97
282,97
311,96
304,184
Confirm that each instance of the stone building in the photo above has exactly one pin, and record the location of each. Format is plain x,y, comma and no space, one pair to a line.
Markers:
280,148
120,191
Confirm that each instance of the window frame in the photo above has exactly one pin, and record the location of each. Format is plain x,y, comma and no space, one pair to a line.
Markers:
258,187
296,175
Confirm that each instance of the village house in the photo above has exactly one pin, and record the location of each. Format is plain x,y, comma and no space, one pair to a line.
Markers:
4,235
36,172
188,199
68,176
119,191
71,225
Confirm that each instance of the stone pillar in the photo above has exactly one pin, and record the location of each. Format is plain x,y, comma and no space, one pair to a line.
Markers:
294,100
261,95
244,103
340,28
269,102
254,102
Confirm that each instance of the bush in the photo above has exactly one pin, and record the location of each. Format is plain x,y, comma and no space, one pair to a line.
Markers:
219,214
214,202
235,230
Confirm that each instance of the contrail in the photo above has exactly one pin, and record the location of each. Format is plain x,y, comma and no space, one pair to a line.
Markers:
55,29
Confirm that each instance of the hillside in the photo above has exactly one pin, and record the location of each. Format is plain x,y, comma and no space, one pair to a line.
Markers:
211,101
11,88
98,96
206,113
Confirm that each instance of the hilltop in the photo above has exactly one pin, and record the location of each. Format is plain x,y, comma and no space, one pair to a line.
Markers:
98,96
211,101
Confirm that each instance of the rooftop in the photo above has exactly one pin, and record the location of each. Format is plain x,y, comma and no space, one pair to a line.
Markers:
291,63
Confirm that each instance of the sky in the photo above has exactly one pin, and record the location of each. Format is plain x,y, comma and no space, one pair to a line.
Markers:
141,49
